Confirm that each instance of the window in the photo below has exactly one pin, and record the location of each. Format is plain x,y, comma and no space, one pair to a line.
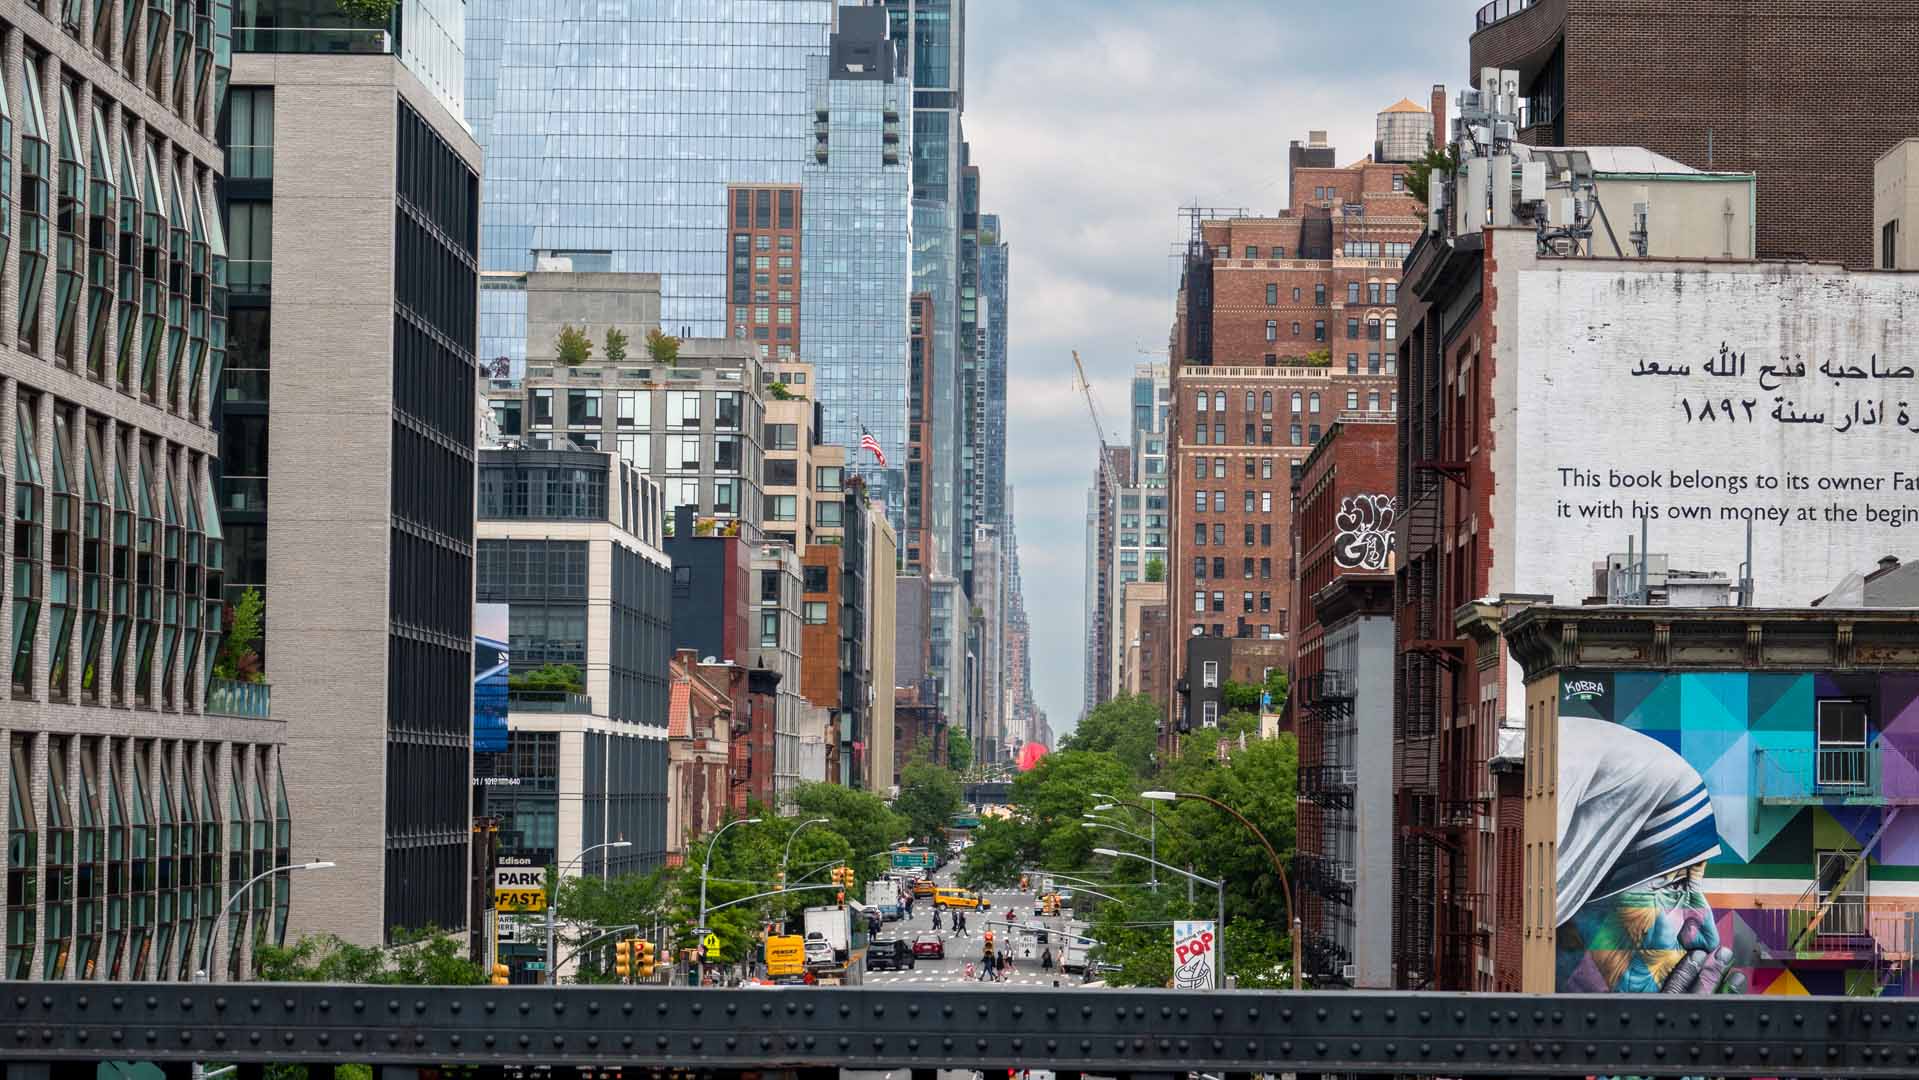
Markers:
1352,363
1248,500
1265,502
683,452
1199,501
1209,675
1199,602
1395,401
786,262
1219,434
1313,401
1209,710
815,612
1842,892
1266,468
1372,401
1249,536
1272,293
1219,502
1312,434
1399,181
829,513
1265,603
1249,468
813,579
1352,328
1372,329
1372,363
726,453
1319,294
1246,567
250,144
1842,732
782,507
1245,603
1888,243
1392,363
1392,329
782,436
1219,601
1199,567
786,316
1219,535
1199,535
1295,329
633,410
1219,401
1372,292
1295,294
1266,401
1392,292
1252,251
726,410
682,408
1294,435
1272,329
1219,566
542,408
1298,399
1319,329
249,246
1199,467
726,496
1352,292
1265,569
1266,535
583,408
1352,399
830,478
769,629
1219,468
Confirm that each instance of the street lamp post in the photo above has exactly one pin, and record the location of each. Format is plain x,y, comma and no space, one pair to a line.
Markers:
706,864
1152,823
789,843
205,974
1285,883
1219,887
552,927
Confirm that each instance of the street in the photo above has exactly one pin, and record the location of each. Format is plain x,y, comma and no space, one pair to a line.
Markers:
962,949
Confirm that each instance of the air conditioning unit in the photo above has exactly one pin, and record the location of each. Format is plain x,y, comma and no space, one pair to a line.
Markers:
1348,777
1348,875
1349,972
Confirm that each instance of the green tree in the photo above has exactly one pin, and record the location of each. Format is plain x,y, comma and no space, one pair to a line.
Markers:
586,907
959,750
561,678
1155,569
1419,175
1002,847
1125,727
245,628
615,344
369,11
1240,696
1277,687
929,797
664,348
572,347
861,817
1055,793
429,957
779,391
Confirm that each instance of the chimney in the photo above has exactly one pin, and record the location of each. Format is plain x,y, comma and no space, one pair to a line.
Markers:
1440,131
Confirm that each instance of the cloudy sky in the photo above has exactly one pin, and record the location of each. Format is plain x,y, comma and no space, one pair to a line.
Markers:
1092,122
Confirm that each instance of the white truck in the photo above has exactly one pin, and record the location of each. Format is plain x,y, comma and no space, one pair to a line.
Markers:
1072,955
884,895
834,927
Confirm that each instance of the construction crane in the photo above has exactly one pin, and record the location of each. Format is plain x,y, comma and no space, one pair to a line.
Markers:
1099,429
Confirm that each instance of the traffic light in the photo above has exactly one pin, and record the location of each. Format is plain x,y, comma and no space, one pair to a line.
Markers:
501,976
644,958
623,959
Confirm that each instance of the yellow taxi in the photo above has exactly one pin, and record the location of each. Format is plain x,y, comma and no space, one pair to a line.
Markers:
955,898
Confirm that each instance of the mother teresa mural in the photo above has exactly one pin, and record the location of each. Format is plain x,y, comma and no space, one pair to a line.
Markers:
1635,830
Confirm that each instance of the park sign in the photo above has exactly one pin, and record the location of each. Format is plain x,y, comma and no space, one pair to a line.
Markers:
519,886
785,955
1195,953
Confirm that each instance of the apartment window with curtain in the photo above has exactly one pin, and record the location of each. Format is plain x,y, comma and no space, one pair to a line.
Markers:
250,133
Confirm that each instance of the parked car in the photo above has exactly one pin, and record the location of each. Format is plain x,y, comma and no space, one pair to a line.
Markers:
818,949
929,946
893,954
923,887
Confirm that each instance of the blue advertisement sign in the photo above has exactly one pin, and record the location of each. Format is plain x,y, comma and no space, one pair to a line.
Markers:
490,639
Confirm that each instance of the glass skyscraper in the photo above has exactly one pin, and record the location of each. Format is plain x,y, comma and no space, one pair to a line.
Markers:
994,256
612,130
856,248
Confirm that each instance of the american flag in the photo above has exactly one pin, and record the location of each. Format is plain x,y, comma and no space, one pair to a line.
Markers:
868,442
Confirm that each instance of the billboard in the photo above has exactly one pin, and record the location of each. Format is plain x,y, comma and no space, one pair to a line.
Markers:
1702,403
490,639
1195,954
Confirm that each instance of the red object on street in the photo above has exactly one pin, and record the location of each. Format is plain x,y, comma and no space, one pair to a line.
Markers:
1030,754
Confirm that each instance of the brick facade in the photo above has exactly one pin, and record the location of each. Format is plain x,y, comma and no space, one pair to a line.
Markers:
1805,94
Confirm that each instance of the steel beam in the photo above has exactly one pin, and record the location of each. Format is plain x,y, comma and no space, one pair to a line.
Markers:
1103,1032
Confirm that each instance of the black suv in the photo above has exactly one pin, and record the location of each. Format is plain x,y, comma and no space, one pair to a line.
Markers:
890,955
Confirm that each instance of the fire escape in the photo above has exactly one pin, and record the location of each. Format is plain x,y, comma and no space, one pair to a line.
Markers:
1326,787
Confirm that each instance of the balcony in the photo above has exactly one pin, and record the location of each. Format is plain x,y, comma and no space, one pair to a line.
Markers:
231,697
1876,775
1499,11
1330,786
548,701
311,39
1517,34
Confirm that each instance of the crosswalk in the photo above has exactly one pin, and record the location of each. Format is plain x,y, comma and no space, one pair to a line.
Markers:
954,979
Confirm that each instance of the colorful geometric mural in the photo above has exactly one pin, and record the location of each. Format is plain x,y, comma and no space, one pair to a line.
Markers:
1712,826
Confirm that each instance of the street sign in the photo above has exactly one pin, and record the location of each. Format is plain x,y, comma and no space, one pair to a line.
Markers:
785,955
1195,950
519,887
534,965
711,943
519,900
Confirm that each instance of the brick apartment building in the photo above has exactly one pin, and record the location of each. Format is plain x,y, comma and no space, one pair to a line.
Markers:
1805,95
1283,325
1343,522
1115,466
763,299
